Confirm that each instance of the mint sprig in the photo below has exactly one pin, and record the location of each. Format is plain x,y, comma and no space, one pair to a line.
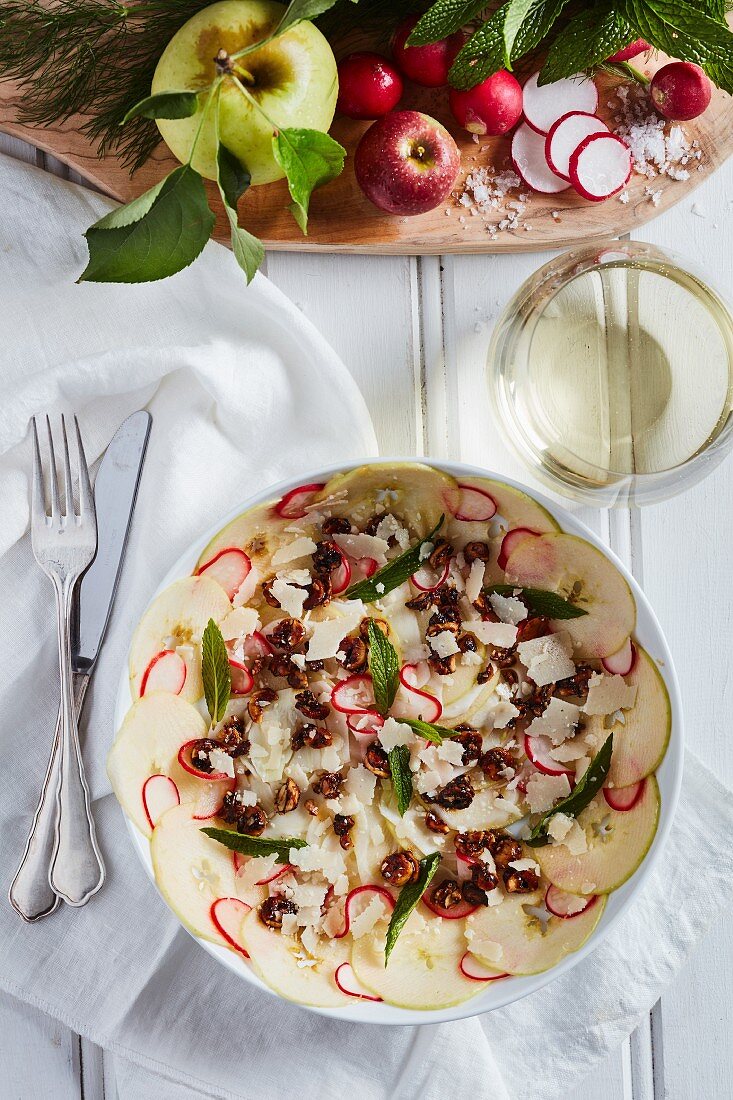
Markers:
399,767
408,898
582,794
443,18
540,601
384,668
394,573
256,845
586,42
216,671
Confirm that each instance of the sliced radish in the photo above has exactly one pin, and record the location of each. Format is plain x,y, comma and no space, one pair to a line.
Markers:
364,568
456,912
537,750
428,580
347,982
600,166
545,104
257,645
465,866
475,505
565,905
471,968
229,567
510,541
159,794
355,695
242,679
287,869
622,661
166,672
184,759
365,723
528,158
624,798
357,901
415,676
341,576
227,915
425,706
566,135
210,800
293,505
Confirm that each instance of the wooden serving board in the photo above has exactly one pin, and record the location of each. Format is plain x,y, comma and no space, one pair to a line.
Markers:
343,220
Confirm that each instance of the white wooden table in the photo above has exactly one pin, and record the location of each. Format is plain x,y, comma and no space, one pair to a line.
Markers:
414,332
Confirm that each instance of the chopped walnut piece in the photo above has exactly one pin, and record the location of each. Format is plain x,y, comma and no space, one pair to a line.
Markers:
319,593
355,654
234,740
433,629
307,704
466,642
326,557
473,843
520,882
486,674
483,877
379,623
288,634
575,686
476,551
444,666
495,762
440,555
435,823
328,784
273,909
336,525
311,807
200,754
259,701
342,826
447,894
536,627
420,603
472,894
287,797
312,737
504,848
400,868
470,738
377,761
458,794
297,678
267,594
252,821
373,524
279,664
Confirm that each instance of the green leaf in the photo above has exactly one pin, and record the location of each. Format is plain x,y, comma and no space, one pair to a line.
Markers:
443,18
309,158
430,732
394,573
233,180
399,766
384,666
256,845
685,32
482,55
408,898
216,671
154,236
584,792
514,16
165,105
585,42
540,601
302,9
540,19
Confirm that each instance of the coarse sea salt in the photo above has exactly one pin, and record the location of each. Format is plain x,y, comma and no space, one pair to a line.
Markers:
494,195
658,147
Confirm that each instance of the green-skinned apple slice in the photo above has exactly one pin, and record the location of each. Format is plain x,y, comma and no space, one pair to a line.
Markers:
641,737
257,533
584,576
521,936
617,841
275,958
423,970
414,493
176,618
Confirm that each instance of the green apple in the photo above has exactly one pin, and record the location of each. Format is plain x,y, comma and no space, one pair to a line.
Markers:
293,80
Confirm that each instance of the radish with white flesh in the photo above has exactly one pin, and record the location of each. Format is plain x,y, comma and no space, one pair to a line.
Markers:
227,915
242,681
354,695
159,794
565,905
477,971
166,672
359,899
624,798
210,797
365,723
640,734
600,167
537,750
544,104
566,135
475,505
186,762
341,576
229,567
510,541
622,661
257,645
411,702
346,980
528,158
427,579
293,505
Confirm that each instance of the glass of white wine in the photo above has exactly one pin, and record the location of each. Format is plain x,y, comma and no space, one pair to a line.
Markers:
611,371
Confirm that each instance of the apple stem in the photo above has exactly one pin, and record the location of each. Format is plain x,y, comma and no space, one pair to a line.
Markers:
223,62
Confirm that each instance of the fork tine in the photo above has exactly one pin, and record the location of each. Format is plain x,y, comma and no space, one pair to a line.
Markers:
68,484
38,495
86,497
55,502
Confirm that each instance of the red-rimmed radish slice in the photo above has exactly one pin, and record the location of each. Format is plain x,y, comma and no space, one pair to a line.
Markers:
357,901
510,541
229,567
365,568
210,800
355,695
537,750
622,661
257,645
624,798
227,915
471,968
365,723
166,672
465,866
426,579
276,874
341,576
456,912
566,135
159,794
242,679
347,982
565,905
184,759
294,503
475,505
528,158
639,45
545,104
426,706
415,676
600,166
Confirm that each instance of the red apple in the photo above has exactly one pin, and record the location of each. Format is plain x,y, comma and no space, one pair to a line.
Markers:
406,163
492,107
369,86
427,65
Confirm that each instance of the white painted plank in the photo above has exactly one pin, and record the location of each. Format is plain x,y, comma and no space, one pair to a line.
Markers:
38,1056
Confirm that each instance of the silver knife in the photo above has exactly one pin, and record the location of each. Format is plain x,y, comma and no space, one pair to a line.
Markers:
115,490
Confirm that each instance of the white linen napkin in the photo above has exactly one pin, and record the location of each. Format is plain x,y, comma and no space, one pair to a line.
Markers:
243,391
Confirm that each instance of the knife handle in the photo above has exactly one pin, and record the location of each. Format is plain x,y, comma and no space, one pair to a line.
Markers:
30,893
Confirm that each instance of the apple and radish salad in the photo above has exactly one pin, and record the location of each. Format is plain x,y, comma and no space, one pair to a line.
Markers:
393,739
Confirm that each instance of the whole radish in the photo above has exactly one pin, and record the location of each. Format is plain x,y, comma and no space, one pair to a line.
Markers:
633,49
493,107
427,65
369,86
680,90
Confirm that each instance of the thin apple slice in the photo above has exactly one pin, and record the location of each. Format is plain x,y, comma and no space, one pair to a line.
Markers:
582,574
159,794
176,618
358,899
346,980
418,495
477,971
422,972
521,936
641,735
257,532
276,960
617,841
227,915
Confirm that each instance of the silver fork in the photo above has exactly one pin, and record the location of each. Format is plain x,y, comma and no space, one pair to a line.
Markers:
64,544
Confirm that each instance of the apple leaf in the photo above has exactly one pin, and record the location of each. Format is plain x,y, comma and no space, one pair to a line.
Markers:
302,9
165,105
443,18
154,236
309,158
233,180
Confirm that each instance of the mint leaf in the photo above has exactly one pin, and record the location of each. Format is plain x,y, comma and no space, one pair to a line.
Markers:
309,158
538,22
302,9
685,32
514,16
399,766
443,18
165,105
540,601
408,898
430,732
585,42
482,55
233,180
216,671
256,845
393,574
384,667
584,792
154,236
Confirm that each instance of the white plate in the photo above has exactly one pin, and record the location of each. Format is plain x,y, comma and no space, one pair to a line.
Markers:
669,774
